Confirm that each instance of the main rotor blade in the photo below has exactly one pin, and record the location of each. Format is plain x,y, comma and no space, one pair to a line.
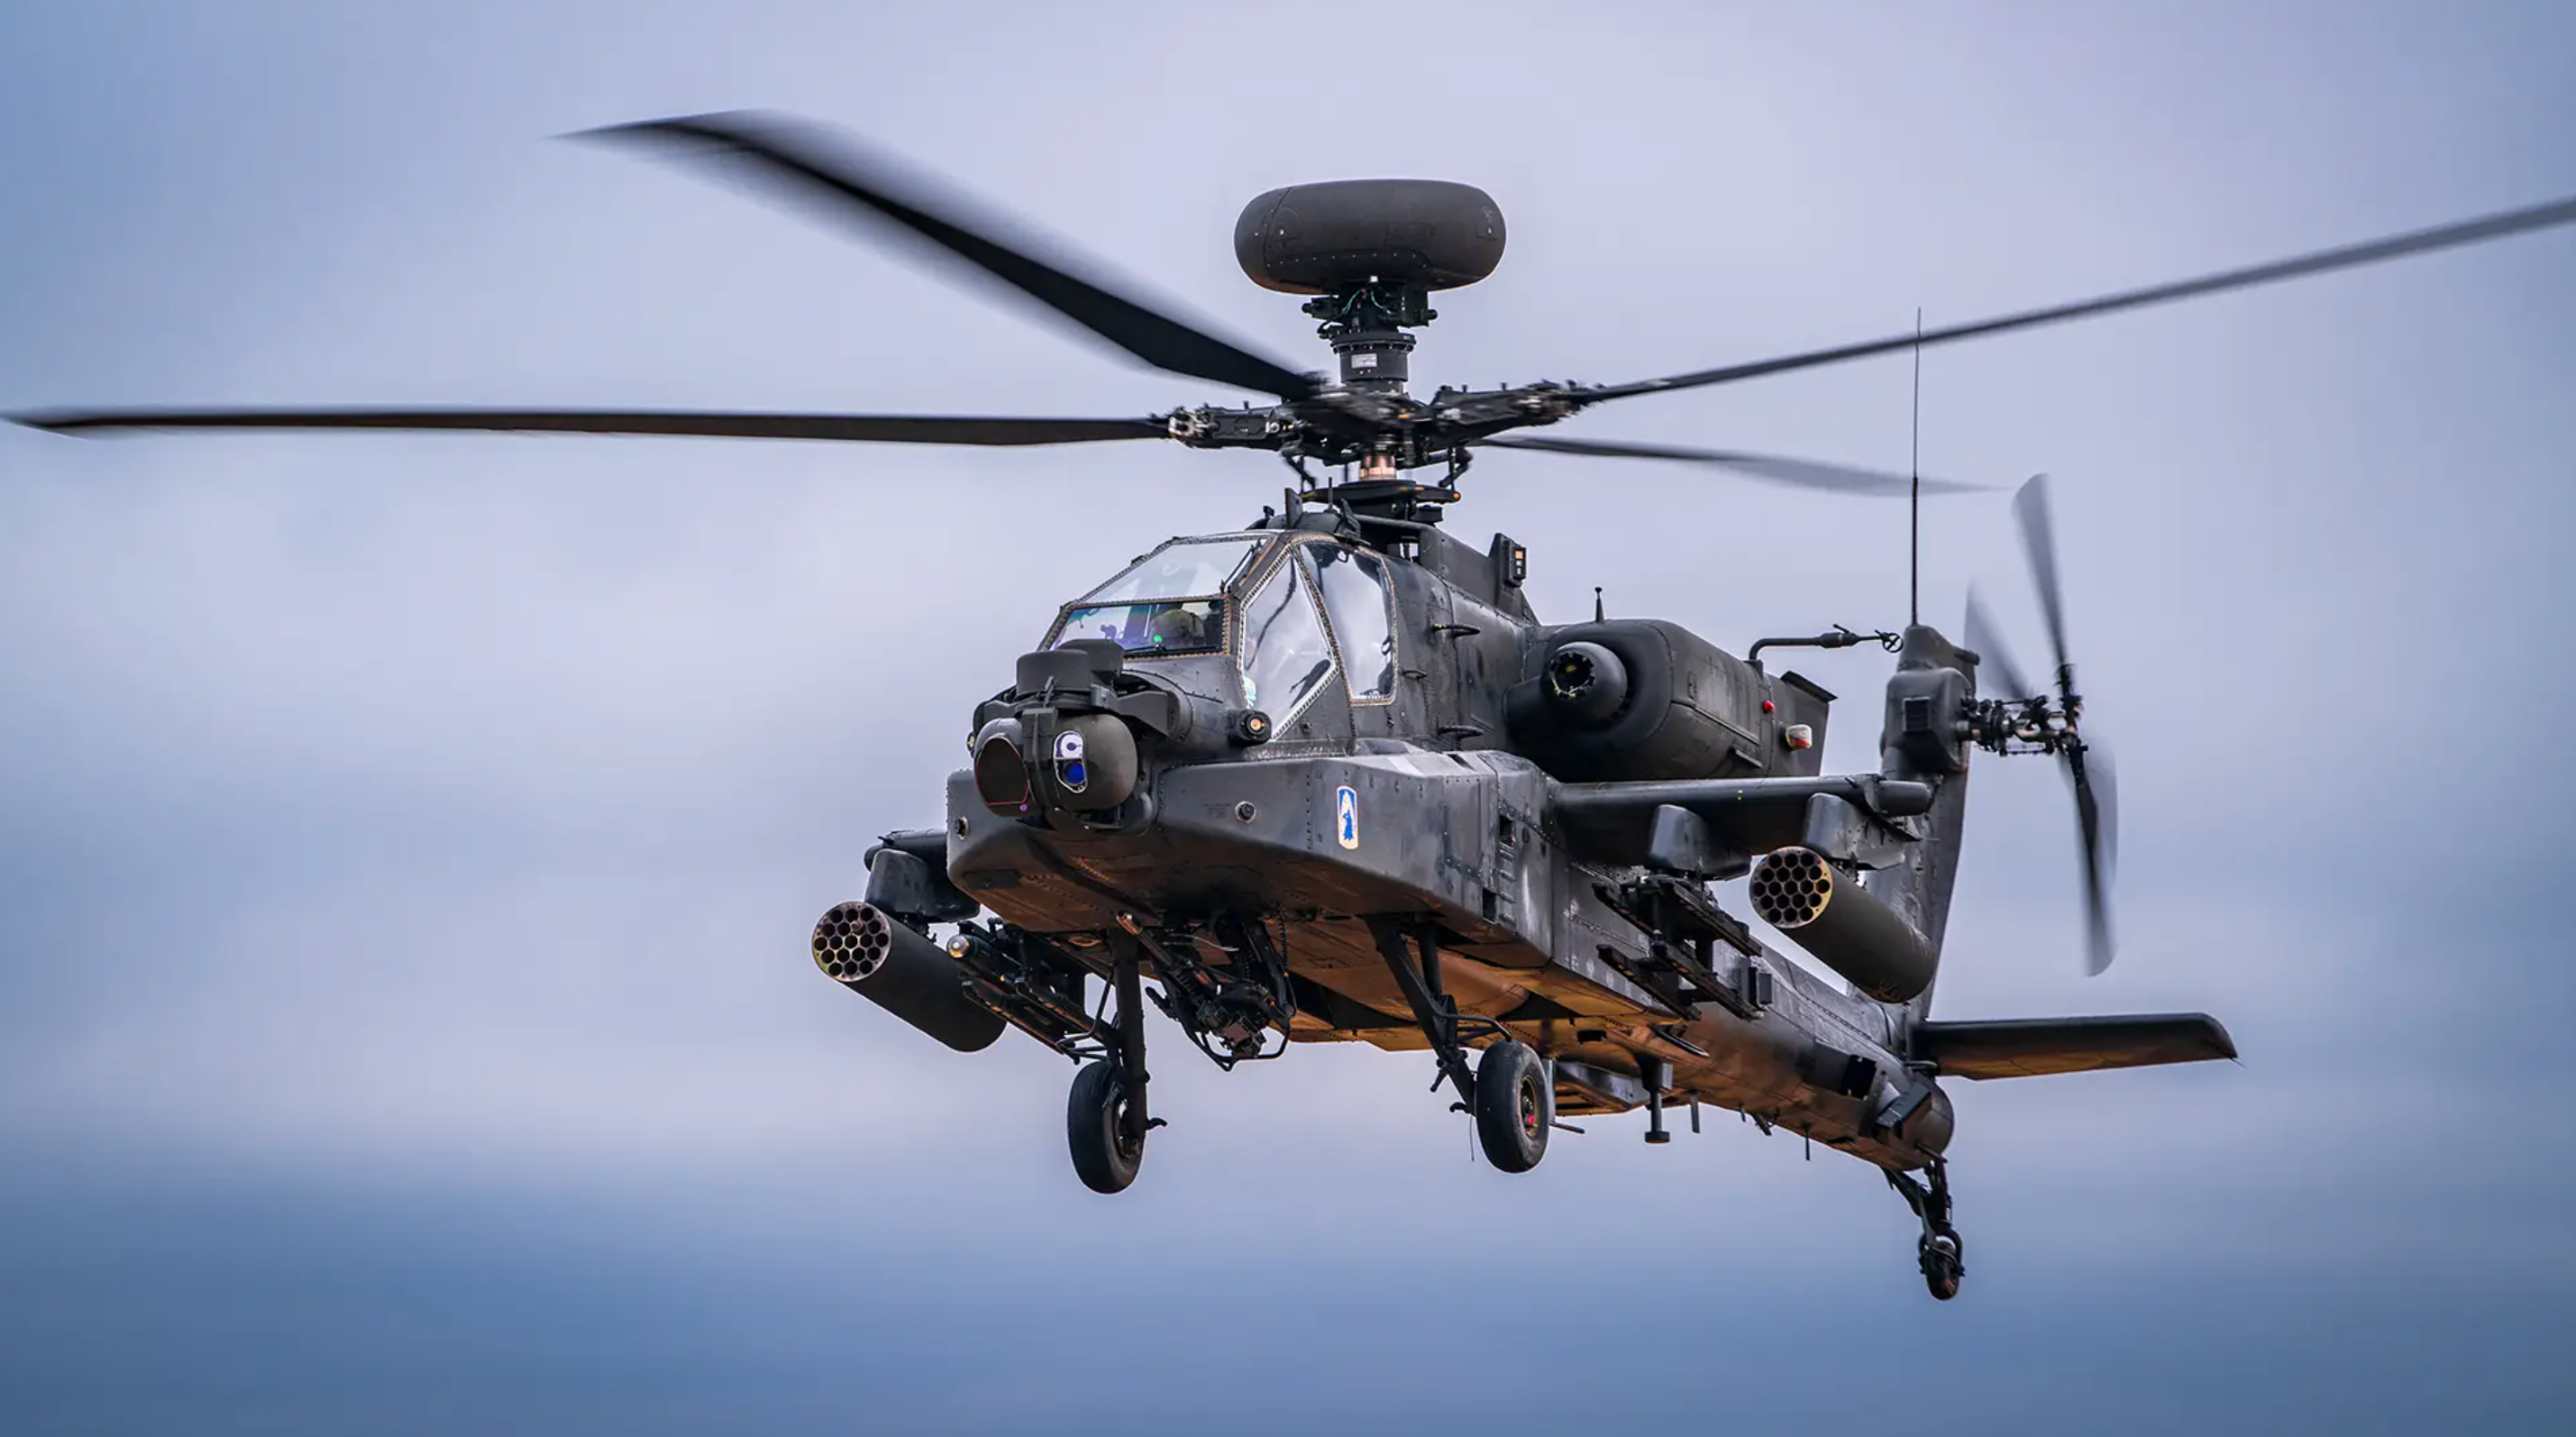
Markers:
2097,825
875,428
1981,635
2426,241
2039,541
1803,473
804,162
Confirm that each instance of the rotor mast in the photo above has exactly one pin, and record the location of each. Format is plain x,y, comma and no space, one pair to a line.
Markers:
1365,324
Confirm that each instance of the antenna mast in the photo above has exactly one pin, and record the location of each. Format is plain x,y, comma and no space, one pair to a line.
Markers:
1914,499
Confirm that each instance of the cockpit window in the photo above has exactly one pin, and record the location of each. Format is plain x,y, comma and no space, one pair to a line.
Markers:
1286,658
1182,569
1164,626
1354,586
1165,603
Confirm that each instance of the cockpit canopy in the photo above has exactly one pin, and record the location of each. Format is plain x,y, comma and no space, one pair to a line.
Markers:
1169,602
1292,609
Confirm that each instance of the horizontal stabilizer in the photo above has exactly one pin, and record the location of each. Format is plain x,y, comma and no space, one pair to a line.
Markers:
2033,1047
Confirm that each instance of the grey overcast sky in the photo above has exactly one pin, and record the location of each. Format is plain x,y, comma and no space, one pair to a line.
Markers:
407,844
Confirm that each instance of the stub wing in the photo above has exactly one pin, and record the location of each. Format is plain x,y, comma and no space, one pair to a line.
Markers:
2035,1047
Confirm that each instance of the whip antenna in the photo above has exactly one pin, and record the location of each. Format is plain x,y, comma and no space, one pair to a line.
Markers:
1914,500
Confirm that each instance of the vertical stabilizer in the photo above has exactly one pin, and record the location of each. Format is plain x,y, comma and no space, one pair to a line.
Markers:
1924,739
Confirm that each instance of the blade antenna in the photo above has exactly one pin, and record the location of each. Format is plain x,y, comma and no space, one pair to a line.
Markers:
1914,499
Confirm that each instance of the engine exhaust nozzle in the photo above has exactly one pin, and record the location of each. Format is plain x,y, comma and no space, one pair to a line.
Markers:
1851,929
1586,682
862,948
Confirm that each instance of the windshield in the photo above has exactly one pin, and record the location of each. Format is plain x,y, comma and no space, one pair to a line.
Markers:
1167,626
1181,569
1166,602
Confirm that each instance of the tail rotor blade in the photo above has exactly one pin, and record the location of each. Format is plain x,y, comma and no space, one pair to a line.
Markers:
1988,642
2097,821
2088,765
2039,542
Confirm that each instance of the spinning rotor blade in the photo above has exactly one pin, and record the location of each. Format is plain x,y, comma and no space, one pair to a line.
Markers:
2440,237
876,428
2039,542
1981,635
2088,764
1802,473
2097,827
806,163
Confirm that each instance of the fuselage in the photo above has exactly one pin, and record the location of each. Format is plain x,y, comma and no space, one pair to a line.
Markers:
1404,774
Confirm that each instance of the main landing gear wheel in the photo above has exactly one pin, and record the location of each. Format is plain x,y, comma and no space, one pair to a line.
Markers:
1940,1258
1094,1125
1514,1106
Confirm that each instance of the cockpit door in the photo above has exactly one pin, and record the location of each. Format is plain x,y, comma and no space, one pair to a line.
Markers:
1286,655
1353,585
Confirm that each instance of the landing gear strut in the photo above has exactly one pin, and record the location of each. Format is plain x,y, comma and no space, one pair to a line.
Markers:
1939,1251
1509,1091
1105,1119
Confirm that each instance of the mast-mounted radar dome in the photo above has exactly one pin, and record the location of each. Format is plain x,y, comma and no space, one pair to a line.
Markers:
1344,235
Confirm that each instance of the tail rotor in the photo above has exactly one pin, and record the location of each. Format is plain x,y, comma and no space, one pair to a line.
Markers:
2022,718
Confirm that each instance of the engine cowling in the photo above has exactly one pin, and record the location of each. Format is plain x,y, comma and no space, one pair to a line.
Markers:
1643,699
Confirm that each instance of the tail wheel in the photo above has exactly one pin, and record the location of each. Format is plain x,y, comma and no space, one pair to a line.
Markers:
1094,1120
1514,1106
1942,1267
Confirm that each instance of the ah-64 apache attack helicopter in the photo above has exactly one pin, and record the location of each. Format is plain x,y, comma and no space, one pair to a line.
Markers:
1328,777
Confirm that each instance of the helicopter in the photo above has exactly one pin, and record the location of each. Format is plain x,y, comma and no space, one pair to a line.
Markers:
1328,777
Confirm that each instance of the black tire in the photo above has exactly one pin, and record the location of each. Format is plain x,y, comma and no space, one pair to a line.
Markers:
1101,1158
1514,1106
1941,1266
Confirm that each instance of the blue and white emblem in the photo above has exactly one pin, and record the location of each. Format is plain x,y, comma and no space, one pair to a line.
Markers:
1346,816
1070,770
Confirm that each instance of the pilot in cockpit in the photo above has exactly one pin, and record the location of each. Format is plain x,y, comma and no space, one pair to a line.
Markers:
1178,628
